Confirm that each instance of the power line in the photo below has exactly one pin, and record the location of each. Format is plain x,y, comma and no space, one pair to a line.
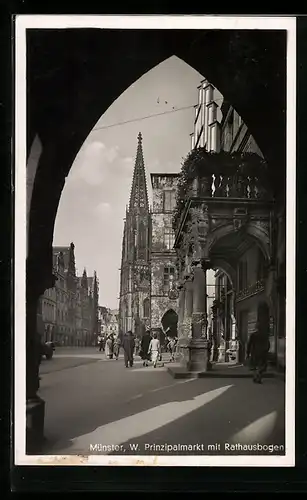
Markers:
151,116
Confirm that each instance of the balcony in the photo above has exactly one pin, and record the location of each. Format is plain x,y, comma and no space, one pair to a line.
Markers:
220,176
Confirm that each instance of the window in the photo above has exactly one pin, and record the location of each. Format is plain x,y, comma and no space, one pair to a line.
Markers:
169,238
169,272
169,200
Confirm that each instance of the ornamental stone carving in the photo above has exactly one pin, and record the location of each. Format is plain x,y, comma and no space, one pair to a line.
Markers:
186,328
240,218
200,227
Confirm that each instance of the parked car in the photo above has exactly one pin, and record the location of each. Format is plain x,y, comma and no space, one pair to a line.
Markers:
47,350
51,344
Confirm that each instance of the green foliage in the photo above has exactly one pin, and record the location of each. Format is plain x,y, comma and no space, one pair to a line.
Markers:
200,163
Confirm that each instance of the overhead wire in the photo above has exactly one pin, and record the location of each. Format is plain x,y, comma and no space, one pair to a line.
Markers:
151,116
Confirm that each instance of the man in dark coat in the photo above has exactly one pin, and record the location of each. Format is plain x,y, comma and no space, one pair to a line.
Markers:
144,348
257,350
128,346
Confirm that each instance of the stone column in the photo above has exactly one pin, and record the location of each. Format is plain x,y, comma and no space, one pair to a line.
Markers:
181,309
199,345
188,298
35,406
179,353
186,320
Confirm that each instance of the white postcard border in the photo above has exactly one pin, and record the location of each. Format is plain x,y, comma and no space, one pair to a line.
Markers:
24,22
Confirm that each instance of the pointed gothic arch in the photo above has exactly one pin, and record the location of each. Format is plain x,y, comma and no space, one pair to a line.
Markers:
169,322
257,234
247,94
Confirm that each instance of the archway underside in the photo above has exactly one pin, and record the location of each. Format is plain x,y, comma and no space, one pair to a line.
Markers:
250,75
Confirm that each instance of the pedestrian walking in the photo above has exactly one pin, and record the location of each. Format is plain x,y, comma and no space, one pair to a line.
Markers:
257,350
154,349
128,346
144,351
171,347
100,342
109,346
117,344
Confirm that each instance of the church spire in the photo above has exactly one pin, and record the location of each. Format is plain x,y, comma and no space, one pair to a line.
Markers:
84,281
138,196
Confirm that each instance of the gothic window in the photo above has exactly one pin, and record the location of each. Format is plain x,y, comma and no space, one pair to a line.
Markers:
169,200
169,238
146,308
169,273
142,240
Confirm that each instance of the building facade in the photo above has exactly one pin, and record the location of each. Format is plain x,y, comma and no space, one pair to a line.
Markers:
108,321
240,301
68,312
206,133
148,295
222,268
164,295
226,220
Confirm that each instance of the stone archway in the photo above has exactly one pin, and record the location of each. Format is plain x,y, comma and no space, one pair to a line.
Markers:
169,322
249,83
259,234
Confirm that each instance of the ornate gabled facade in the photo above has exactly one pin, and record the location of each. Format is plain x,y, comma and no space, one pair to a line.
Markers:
164,294
135,265
68,312
108,321
236,306
227,219
224,213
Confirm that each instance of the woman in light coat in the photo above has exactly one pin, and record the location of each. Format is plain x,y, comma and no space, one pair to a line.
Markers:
154,349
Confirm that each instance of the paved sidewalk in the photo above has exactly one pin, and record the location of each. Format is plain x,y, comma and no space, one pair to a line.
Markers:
220,370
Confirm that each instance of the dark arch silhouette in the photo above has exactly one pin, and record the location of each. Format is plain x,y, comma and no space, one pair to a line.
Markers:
85,68
169,322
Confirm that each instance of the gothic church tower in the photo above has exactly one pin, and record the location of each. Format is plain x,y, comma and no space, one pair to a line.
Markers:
134,300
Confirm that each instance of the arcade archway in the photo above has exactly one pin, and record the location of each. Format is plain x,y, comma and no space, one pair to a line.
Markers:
169,323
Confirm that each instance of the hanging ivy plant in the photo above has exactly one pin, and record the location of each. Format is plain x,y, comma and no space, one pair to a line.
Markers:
200,162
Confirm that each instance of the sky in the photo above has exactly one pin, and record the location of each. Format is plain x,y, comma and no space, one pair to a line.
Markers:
97,189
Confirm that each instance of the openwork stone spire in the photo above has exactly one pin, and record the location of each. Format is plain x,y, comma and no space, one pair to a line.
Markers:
138,195
84,282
